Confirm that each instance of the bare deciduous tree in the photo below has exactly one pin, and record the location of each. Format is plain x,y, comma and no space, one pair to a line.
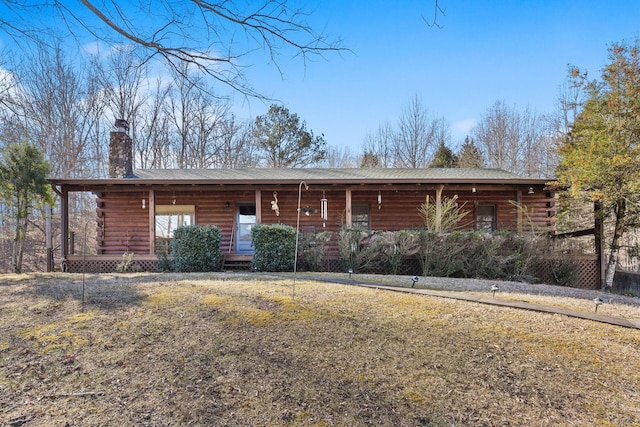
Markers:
196,118
236,147
58,111
217,38
378,148
152,143
513,140
418,136
340,158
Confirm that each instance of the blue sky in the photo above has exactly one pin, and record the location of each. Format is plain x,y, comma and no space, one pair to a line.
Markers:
512,51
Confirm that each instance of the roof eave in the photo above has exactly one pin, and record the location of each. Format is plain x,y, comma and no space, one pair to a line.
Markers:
208,182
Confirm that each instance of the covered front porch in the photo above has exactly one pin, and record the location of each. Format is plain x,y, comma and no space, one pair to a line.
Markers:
138,215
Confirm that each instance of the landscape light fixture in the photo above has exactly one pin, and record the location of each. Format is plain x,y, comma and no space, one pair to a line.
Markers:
597,302
350,271
414,280
494,289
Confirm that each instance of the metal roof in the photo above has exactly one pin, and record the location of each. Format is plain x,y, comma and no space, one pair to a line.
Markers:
309,175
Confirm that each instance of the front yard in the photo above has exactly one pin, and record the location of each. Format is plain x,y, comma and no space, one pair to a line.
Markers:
216,349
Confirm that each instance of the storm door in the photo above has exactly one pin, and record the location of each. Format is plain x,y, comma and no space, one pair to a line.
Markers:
245,220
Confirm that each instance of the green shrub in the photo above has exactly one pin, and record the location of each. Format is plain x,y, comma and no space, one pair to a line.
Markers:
554,261
196,248
164,262
475,254
274,247
312,255
359,250
440,254
564,271
396,247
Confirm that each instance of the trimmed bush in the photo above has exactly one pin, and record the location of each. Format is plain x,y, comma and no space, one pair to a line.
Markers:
396,247
359,250
274,247
475,254
196,248
313,255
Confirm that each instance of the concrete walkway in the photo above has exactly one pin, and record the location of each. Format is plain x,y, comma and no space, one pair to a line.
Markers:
611,320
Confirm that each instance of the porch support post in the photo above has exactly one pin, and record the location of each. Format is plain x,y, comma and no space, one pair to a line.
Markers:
258,207
48,237
598,233
64,224
348,207
152,221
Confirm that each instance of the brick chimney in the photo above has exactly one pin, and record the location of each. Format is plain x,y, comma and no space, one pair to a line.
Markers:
120,151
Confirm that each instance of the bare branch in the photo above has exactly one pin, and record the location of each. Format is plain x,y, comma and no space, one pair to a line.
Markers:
436,11
212,37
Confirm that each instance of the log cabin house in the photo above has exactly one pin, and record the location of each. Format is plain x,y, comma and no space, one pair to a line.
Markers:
137,210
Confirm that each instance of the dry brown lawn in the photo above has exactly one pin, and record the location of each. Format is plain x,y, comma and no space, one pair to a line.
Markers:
237,350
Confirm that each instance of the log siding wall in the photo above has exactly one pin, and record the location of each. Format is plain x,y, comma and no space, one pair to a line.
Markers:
123,223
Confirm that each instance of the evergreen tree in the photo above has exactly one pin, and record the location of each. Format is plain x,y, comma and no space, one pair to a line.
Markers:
469,155
285,141
369,160
444,157
600,160
23,186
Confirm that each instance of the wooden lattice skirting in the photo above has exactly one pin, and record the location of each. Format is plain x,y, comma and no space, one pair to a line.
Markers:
587,277
108,264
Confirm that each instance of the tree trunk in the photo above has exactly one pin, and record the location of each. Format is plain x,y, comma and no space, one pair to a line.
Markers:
614,248
18,247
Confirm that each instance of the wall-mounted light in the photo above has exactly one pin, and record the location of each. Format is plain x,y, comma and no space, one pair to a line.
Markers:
173,198
144,203
379,200
530,190
474,189
227,204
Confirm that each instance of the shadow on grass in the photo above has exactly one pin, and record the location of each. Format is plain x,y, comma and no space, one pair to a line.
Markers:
107,292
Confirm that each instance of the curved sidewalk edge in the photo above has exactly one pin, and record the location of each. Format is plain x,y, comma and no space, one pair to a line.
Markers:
611,320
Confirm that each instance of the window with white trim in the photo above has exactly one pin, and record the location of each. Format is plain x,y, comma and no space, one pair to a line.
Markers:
360,216
486,218
168,219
